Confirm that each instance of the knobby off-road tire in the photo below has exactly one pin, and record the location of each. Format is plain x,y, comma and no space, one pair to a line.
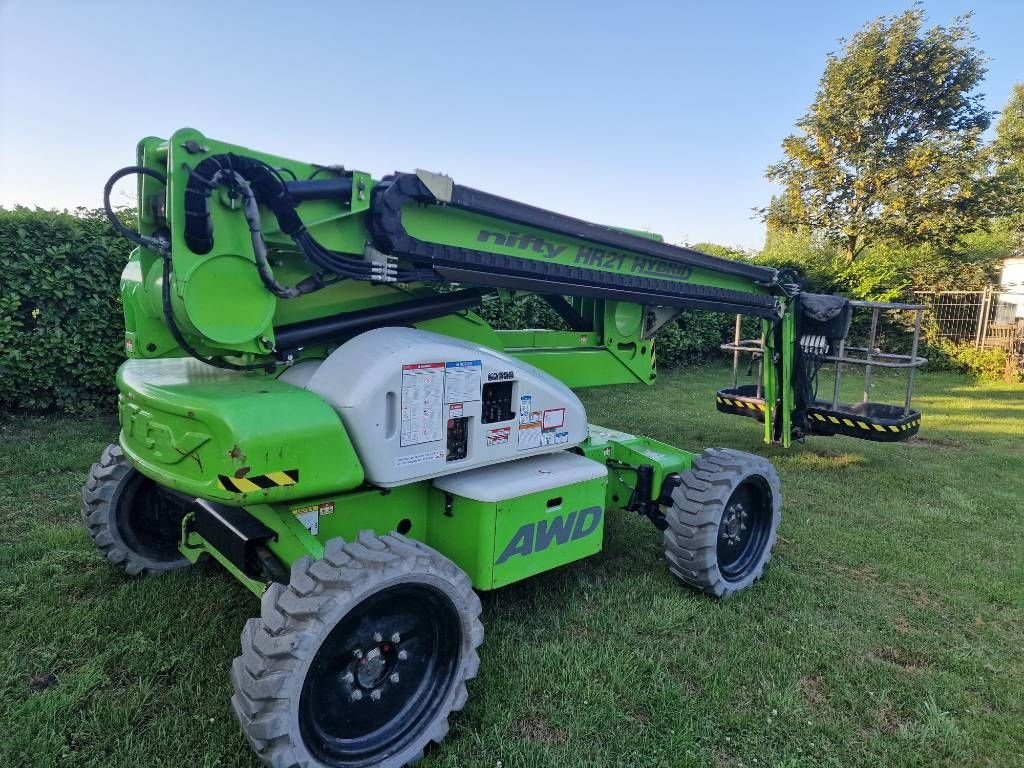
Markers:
723,521
360,659
135,524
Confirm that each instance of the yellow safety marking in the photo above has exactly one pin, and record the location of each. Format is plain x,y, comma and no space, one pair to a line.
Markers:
894,428
244,484
280,478
879,427
254,483
862,425
847,422
833,419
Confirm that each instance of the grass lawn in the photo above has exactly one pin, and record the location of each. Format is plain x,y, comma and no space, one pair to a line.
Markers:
889,629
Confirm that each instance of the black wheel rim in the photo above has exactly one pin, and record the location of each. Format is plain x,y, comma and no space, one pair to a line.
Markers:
381,676
149,519
744,528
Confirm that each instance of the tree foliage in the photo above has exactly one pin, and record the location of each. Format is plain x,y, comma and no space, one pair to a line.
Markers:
1009,142
1008,154
891,149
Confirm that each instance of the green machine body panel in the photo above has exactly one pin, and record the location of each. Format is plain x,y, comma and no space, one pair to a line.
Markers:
495,542
500,542
228,436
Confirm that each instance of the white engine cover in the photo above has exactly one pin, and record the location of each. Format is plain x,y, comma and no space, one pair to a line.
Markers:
419,405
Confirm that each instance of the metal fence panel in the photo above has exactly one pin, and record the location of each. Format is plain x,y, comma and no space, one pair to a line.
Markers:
976,318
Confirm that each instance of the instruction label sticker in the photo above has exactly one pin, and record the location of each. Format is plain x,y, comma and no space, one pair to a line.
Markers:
525,408
498,435
422,398
455,411
418,458
553,437
462,381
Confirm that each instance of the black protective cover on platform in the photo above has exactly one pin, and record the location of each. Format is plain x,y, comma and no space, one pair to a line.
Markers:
878,422
825,315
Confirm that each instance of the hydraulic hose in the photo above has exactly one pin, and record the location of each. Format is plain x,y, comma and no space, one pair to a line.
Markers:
158,244
258,184
263,185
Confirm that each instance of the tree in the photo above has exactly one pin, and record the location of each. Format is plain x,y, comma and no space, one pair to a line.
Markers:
1009,142
1008,154
722,251
891,148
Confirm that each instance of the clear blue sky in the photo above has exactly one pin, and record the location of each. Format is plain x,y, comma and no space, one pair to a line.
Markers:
654,115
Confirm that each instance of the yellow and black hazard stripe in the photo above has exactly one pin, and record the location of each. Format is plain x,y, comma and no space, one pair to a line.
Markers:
866,425
252,483
824,421
752,405
855,426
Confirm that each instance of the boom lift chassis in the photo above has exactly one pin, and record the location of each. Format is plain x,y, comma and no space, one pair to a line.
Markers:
309,402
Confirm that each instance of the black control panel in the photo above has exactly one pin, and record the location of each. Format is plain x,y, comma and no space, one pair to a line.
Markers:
497,402
458,438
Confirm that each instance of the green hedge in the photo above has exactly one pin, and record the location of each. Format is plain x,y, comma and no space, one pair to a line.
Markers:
61,326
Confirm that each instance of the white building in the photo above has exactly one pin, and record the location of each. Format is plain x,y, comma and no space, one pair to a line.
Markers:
1011,299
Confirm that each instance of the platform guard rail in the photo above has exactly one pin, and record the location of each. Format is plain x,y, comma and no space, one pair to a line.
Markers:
866,420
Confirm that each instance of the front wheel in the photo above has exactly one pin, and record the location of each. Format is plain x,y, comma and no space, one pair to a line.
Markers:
134,522
723,521
360,660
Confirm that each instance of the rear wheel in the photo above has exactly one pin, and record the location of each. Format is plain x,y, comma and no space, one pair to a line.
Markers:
134,522
723,521
360,660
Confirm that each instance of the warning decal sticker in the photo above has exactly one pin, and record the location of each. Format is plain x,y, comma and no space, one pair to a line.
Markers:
422,396
309,515
498,435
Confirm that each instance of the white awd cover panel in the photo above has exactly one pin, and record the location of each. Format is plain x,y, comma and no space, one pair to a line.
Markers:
419,405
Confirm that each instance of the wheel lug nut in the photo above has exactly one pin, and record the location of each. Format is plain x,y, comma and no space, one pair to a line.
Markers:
396,638
356,695
357,653
348,677
403,655
394,677
375,694
377,637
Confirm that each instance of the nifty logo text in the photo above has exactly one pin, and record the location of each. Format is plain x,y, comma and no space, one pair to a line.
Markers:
589,257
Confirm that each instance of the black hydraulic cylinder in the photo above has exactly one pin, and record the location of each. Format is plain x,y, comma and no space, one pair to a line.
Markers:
644,483
335,327
320,189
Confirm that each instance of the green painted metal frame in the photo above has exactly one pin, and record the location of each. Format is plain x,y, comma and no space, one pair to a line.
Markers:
421,512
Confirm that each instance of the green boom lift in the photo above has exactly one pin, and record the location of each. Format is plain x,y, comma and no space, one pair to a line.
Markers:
310,400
